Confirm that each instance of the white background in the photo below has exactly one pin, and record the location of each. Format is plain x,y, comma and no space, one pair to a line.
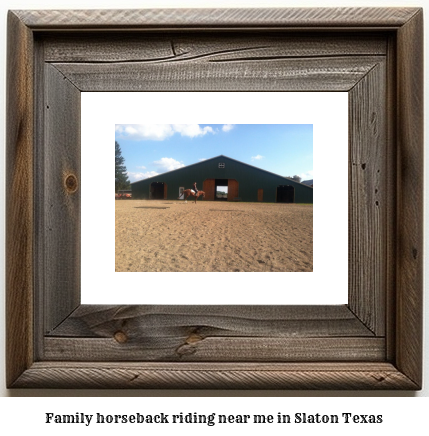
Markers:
402,414
327,284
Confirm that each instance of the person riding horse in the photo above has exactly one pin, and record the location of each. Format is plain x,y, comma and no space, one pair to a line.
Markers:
194,187
187,192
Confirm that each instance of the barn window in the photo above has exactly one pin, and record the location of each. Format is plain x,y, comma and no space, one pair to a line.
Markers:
221,165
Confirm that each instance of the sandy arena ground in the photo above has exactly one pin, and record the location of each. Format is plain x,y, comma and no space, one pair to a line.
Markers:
174,236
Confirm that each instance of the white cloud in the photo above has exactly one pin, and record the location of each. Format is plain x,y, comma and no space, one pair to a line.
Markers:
307,175
163,165
168,164
192,130
160,132
257,157
144,132
227,127
135,177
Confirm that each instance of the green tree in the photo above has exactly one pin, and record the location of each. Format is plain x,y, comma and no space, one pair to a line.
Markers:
121,176
296,178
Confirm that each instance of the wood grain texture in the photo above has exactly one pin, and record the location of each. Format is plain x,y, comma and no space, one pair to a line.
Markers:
391,192
179,46
213,333
290,18
300,74
106,375
61,207
99,321
368,202
193,347
216,348
19,211
410,199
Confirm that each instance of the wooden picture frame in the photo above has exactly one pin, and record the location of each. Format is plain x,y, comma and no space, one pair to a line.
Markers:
373,342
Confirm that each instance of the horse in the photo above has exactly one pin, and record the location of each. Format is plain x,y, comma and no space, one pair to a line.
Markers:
189,192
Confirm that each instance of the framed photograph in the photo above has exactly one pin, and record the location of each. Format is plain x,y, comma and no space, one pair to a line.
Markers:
197,248
373,341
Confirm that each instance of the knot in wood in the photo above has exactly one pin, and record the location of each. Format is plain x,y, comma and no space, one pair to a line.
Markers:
193,338
71,183
120,337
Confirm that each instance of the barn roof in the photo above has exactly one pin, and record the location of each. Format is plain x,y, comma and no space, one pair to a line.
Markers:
214,158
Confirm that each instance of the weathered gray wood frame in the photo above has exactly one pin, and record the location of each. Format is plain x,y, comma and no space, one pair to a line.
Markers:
374,342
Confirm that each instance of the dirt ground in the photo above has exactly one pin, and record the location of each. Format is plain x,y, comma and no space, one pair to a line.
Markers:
174,236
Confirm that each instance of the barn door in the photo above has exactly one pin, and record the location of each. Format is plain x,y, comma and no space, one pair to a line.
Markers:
260,195
285,194
209,189
232,189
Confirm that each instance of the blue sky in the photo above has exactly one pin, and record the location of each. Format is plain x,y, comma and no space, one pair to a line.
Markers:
151,149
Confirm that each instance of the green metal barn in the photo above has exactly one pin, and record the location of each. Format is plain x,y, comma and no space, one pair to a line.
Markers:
243,182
